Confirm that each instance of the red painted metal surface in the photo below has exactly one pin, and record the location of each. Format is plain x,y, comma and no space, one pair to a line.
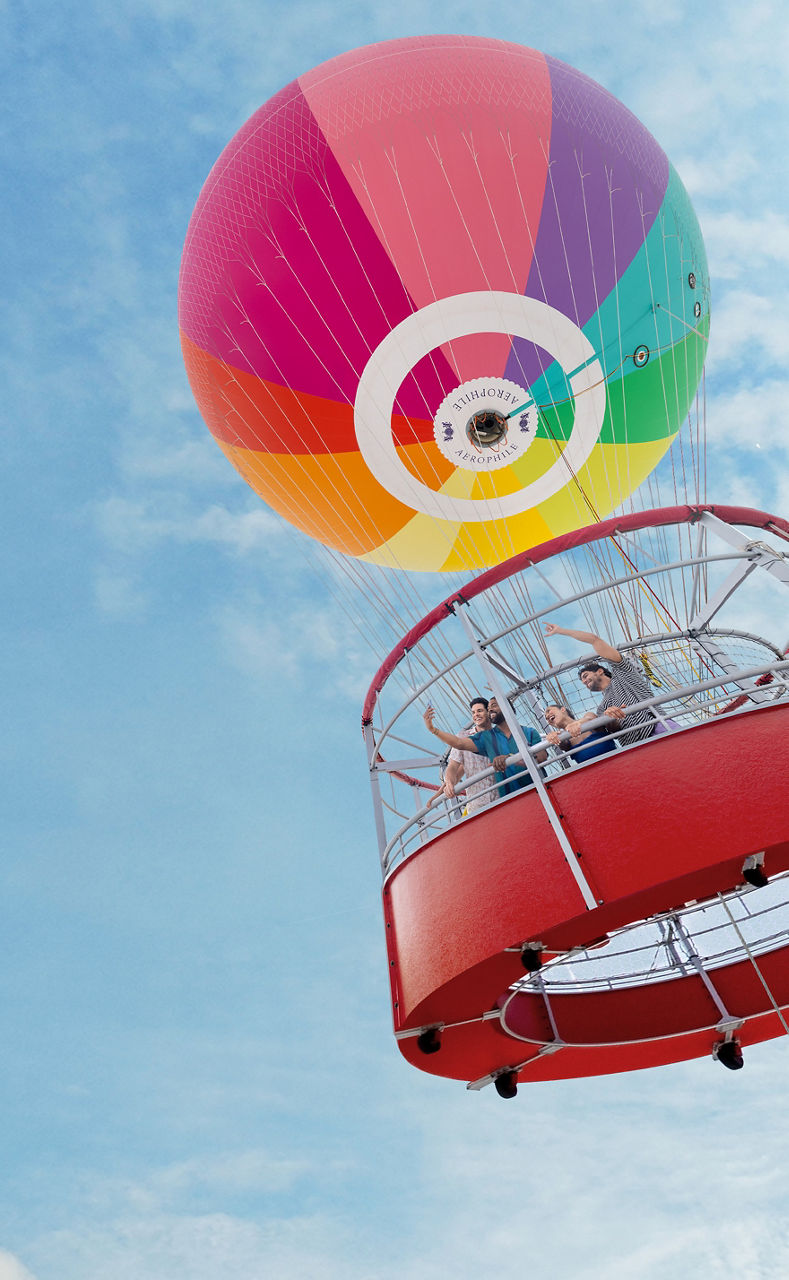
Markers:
659,825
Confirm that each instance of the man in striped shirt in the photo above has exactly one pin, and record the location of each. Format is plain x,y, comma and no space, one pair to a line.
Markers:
620,683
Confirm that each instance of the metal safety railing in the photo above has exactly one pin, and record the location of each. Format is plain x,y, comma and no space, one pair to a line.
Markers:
655,950
699,672
427,822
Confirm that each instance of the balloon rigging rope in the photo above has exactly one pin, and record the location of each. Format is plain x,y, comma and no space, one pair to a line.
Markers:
457,543
752,959
493,513
351,528
382,236
381,537
492,508
404,593
362,335
309,507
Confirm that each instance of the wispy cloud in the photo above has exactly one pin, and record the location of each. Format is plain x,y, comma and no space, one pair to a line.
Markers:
629,1177
12,1269
292,640
752,417
750,335
202,1247
134,525
747,245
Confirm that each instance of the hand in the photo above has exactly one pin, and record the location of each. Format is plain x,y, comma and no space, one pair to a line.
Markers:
429,716
553,629
499,763
445,792
574,727
616,713
554,738
449,788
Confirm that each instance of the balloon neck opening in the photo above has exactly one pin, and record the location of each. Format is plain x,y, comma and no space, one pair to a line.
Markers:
486,429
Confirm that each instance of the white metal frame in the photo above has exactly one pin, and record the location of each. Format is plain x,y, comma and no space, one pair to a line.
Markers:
746,556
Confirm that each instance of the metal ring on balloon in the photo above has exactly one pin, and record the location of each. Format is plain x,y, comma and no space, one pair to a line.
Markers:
460,316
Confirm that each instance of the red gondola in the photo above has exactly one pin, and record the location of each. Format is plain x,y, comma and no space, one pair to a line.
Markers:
599,921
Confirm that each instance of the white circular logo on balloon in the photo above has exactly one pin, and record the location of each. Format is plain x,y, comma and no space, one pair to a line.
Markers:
485,424
460,316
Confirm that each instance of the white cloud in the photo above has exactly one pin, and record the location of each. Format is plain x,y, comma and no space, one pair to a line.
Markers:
191,459
175,1187
254,1170
759,1250
200,1247
782,493
707,176
628,1173
119,595
12,1269
752,417
675,1170
135,525
288,644
747,245
749,331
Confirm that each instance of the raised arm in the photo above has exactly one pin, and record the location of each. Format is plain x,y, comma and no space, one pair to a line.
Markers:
451,739
601,647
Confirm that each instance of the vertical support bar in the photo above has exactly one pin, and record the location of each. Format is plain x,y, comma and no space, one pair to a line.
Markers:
704,616
557,1039
695,963
375,784
695,591
424,833
492,677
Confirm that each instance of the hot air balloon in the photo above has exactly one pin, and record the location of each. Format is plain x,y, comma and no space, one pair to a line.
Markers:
442,299
444,304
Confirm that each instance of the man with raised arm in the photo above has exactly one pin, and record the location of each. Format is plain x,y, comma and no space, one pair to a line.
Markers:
496,743
621,684
466,764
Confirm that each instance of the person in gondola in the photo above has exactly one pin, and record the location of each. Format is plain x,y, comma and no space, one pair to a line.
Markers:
585,745
620,683
465,764
496,743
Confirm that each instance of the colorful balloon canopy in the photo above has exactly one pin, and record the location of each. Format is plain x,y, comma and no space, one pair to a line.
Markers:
442,299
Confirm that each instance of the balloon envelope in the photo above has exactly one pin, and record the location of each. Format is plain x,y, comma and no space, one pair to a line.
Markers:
442,299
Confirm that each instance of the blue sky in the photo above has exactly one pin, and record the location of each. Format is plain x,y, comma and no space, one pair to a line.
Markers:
198,1077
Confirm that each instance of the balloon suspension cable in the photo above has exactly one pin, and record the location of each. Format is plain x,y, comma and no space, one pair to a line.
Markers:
752,959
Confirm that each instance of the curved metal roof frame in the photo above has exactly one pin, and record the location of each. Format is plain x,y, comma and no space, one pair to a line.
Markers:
545,551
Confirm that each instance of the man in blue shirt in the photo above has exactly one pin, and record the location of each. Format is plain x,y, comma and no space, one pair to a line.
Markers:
496,743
